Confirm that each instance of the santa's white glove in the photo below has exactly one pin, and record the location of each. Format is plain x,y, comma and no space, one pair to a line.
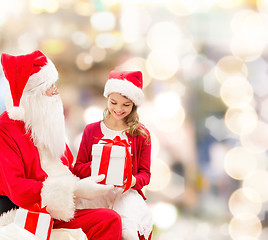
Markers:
89,188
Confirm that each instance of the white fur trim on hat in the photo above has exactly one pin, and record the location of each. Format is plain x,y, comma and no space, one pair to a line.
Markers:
42,80
126,88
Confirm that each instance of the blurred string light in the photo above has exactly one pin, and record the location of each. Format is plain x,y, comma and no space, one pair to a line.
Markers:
239,163
175,188
245,227
262,6
236,92
164,35
186,8
257,181
130,21
164,215
163,38
182,8
98,54
54,46
250,35
27,42
93,114
83,8
103,21
162,64
39,6
229,66
168,113
241,121
155,145
84,61
10,9
109,40
81,39
160,177
257,140
228,3
239,202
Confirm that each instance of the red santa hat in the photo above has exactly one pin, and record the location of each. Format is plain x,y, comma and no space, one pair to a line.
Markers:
127,83
27,73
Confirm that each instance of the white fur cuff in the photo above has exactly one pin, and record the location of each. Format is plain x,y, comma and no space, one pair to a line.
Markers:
58,195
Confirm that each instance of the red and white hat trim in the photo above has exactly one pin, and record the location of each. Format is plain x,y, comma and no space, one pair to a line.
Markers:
42,80
125,86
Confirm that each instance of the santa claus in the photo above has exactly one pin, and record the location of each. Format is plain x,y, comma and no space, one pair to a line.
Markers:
35,162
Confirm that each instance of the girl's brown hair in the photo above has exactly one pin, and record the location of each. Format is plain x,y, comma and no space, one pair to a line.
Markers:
135,128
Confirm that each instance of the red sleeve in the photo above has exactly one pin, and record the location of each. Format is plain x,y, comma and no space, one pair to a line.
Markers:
67,159
82,167
144,163
22,191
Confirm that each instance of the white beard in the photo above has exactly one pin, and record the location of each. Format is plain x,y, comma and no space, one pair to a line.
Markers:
44,119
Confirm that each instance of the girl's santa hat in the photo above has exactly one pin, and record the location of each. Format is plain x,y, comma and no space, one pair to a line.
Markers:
28,73
127,83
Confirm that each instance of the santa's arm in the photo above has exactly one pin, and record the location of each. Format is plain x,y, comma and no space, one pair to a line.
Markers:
57,193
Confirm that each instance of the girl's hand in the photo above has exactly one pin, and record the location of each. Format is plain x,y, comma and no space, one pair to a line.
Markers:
133,182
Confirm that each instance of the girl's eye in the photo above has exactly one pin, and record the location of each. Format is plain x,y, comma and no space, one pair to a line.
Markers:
113,103
126,105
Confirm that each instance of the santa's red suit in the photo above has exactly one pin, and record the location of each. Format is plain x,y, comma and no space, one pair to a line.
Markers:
30,175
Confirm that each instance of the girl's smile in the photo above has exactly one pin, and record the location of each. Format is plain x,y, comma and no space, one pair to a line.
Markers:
119,106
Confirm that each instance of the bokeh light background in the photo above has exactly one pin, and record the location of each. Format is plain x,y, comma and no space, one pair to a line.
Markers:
205,71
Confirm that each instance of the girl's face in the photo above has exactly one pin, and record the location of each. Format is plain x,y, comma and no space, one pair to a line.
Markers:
119,106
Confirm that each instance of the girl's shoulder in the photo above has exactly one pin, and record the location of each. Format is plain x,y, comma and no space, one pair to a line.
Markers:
92,127
144,134
143,128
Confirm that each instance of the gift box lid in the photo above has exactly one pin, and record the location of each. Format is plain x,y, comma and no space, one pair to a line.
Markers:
117,151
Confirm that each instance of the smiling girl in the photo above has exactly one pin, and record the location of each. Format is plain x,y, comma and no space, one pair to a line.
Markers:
123,91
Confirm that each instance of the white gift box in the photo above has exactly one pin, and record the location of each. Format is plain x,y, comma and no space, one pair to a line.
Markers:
38,223
115,173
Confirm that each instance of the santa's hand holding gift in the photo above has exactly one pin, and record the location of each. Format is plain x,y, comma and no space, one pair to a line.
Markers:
35,162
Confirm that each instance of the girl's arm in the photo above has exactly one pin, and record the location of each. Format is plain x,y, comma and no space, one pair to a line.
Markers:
144,163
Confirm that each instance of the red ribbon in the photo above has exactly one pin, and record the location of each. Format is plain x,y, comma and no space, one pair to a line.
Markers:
105,159
36,208
33,217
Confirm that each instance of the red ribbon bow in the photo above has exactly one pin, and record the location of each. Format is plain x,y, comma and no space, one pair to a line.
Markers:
105,159
36,208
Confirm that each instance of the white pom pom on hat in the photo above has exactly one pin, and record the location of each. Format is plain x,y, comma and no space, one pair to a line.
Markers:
127,83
